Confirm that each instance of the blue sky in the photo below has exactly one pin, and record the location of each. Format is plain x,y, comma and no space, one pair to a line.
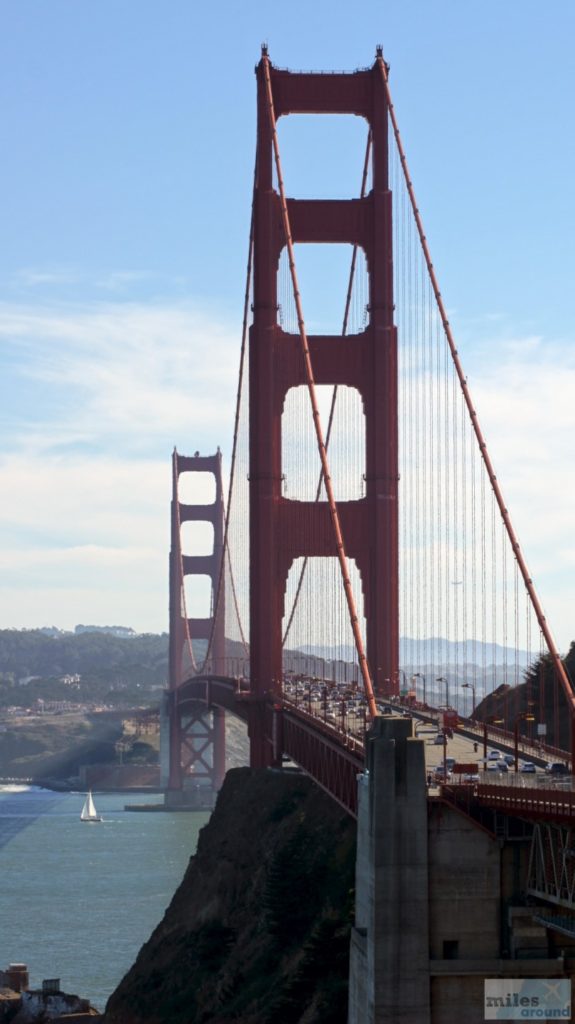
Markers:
128,143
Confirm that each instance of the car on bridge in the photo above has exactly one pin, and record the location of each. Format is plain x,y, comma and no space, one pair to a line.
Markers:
529,767
440,738
556,768
494,755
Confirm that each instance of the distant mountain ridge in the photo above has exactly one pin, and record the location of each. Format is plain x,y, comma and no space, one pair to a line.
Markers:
415,652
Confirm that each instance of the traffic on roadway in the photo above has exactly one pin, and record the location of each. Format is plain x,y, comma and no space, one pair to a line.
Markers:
449,754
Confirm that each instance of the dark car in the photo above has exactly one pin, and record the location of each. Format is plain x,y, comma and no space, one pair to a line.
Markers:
557,768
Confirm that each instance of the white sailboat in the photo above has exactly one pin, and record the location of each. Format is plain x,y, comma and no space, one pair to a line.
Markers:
89,812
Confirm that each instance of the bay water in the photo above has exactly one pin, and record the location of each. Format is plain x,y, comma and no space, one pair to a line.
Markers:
78,900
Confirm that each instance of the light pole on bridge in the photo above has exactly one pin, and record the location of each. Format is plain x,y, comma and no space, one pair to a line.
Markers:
443,679
523,716
491,720
421,675
471,686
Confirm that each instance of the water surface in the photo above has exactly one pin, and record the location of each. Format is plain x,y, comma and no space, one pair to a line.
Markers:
78,900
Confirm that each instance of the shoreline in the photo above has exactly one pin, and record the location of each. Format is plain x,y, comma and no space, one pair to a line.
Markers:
69,786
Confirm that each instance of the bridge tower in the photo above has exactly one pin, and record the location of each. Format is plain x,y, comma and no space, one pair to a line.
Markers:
193,734
282,530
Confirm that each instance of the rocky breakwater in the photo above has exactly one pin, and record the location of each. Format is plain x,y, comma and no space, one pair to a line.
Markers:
258,931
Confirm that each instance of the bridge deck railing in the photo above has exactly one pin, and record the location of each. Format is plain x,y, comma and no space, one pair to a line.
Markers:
521,781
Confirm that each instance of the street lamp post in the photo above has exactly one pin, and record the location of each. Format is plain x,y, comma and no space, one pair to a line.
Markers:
442,679
420,675
471,686
492,720
523,716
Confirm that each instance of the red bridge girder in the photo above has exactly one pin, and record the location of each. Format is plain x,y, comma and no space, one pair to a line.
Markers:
333,766
536,804
331,759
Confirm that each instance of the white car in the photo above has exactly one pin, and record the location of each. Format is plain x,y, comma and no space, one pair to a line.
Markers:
494,755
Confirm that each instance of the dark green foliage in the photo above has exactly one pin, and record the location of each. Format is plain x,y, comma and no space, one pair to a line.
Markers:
541,695
212,944
140,753
112,669
31,652
292,891
324,954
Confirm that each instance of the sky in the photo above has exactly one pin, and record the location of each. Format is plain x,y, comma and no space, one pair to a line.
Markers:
128,132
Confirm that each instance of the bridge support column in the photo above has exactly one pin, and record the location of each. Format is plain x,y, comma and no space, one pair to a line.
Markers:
283,530
193,738
389,959
202,757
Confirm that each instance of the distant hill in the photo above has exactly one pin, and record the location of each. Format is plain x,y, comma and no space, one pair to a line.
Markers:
35,663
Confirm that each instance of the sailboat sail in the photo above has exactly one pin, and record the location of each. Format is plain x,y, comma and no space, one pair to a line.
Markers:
89,812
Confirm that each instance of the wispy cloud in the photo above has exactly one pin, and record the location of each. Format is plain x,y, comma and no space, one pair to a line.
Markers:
523,395
31,278
103,392
120,280
97,394
119,375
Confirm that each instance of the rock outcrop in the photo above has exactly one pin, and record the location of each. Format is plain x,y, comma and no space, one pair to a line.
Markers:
258,931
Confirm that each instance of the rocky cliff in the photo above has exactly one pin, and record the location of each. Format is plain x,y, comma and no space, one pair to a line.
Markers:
258,931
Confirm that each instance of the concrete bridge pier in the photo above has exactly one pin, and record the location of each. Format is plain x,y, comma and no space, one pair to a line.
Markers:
389,957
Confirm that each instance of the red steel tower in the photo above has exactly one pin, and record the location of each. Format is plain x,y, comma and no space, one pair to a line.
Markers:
196,733
282,530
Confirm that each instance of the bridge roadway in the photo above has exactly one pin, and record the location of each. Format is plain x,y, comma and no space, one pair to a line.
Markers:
332,753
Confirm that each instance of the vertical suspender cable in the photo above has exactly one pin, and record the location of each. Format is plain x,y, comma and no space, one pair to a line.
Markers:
558,665
235,443
341,554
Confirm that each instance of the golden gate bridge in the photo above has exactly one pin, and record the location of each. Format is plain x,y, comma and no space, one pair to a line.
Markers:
362,506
